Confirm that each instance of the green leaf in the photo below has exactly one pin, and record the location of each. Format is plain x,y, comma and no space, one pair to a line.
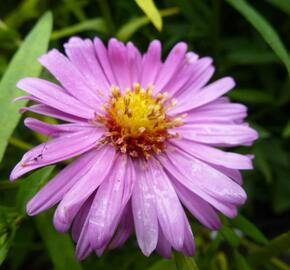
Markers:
30,186
264,28
240,262
274,248
284,5
97,24
163,264
8,226
59,246
251,96
151,11
23,64
184,263
128,29
286,131
230,236
249,229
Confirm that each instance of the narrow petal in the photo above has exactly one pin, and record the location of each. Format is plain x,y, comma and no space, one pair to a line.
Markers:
163,246
134,62
83,248
216,134
59,185
80,192
52,95
82,54
202,179
188,245
214,155
81,217
214,113
171,65
55,150
144,212
70,77
193,75
199,208
117,53
151,63
103,58
53,130
111,198
206,95
169,210
125,228
49,111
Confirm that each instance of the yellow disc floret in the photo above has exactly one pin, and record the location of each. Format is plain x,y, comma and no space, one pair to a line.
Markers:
137,122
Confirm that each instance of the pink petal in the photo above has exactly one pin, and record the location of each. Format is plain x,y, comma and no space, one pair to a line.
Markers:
163,246
151,63
111,198
80,192
81,217
188,245
70,77
199,208
169,210
134,62
144,212
59,185
202,179
206,95
125,228
117,53
215,134
52,95
54,130
190,78
55,150
214,155
171,65
103,58
48,111
83,56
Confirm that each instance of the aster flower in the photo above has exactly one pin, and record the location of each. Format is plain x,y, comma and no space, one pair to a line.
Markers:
147,136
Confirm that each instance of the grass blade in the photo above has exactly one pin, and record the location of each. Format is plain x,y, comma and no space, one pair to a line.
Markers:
23,64
268,33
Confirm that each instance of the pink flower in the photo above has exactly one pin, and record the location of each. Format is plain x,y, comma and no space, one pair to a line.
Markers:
146,134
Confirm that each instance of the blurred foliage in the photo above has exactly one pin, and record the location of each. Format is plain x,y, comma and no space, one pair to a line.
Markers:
248,40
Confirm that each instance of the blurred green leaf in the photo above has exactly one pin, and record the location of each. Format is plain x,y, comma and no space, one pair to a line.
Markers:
249,229
184,263
97,25
262,163
286,131
23,64
163,264
274,248
30,185
284,5
240,262
230,236
128,29
264,28
151,11
251,96
59,246
75,7
25,11
8,225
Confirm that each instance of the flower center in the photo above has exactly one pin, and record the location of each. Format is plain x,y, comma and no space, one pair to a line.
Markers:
137,122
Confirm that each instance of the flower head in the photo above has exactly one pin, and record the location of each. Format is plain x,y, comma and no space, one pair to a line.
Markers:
146,134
